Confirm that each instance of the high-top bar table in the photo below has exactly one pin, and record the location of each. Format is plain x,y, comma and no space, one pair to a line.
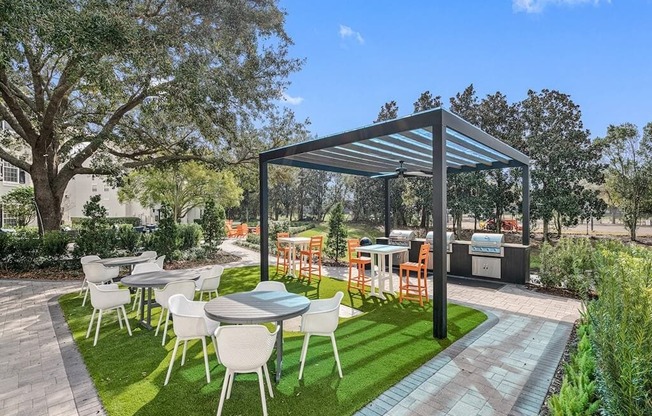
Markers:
258,307
150,280
294,242
378,277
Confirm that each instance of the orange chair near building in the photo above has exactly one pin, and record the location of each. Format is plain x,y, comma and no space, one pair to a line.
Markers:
359,262
408,289
282,253
230,231
313,251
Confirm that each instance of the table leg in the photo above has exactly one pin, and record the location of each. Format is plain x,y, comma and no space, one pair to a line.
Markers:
382,276
374,276
149,308
390,274
279,351
142,304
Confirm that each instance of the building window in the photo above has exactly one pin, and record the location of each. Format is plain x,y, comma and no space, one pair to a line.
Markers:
106,188
11,173
8,222
94,187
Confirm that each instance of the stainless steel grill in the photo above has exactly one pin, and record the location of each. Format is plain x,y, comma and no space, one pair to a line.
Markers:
450,237
401,238
489,245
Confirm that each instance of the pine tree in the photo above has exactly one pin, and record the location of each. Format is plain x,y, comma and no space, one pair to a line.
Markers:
336,244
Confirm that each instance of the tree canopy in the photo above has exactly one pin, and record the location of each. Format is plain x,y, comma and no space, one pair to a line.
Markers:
181,186
94,87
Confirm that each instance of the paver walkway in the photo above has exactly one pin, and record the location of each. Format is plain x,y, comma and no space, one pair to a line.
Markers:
503,367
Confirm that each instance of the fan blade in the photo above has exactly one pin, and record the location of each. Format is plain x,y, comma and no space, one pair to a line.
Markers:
419,174
385,175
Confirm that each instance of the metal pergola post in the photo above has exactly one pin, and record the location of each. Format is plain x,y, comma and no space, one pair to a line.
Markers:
526,205
264,220
387,207
439,273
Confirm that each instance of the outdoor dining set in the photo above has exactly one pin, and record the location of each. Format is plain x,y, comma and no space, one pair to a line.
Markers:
243,346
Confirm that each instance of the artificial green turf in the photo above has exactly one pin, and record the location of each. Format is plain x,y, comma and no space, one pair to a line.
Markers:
377,349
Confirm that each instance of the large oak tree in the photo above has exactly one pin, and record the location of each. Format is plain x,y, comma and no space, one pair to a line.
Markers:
87,85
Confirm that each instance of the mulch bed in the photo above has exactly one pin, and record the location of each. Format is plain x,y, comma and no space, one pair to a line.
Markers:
555,384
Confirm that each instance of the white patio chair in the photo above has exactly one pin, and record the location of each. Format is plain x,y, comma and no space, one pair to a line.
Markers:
98,273
162,296
160,260
105,298
245,349
190,322
270,286
209,281
321,319
85,260
151,255
142,268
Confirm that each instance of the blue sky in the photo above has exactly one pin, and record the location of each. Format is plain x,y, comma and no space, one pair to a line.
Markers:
361,54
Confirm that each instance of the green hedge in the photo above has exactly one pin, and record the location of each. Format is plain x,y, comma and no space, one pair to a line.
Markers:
135,221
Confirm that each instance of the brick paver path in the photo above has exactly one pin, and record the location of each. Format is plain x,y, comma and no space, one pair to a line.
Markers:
503,367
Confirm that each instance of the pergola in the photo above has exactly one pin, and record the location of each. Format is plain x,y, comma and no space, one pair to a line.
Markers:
433,143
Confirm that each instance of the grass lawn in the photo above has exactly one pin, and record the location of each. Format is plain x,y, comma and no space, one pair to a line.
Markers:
377,349
355,230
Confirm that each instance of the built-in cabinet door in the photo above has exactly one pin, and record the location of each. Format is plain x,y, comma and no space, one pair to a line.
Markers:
486,266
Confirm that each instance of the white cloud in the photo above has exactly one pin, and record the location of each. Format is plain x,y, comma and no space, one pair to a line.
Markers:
292,100
347,32
537,6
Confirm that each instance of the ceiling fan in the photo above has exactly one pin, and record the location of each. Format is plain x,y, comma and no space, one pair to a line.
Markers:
403,172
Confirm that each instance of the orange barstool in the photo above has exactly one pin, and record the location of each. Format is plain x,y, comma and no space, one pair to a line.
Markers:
314,250
419,290
355,260
282,252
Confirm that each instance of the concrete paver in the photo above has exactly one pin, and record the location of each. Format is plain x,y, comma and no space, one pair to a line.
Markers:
502,367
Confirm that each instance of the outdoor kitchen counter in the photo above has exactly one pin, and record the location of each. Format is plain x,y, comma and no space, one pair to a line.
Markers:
515,265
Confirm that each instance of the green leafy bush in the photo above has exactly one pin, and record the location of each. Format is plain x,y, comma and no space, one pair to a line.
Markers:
166,238
621,335
25,247
577,395
190,235
128,238
336,241
567,264
276,227
253,238
55,243
212,223
301,228
96,236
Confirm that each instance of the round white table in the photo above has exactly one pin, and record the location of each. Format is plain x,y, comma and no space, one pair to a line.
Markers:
150,280
122,261
258,307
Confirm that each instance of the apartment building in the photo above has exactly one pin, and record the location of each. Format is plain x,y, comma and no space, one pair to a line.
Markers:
78,192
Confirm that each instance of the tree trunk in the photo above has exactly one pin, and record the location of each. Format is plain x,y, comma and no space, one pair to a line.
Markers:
546,224
48,199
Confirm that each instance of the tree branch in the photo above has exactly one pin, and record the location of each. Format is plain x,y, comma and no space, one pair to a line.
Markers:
27,131
35,69
60,92
14,160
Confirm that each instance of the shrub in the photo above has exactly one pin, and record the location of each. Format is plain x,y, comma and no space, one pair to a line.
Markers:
5,245
336,241
55,243
95,235
577,395
567,264
301,228
276,227
253,239
166,238
190,235
25,247
128,238
621,332
212,223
